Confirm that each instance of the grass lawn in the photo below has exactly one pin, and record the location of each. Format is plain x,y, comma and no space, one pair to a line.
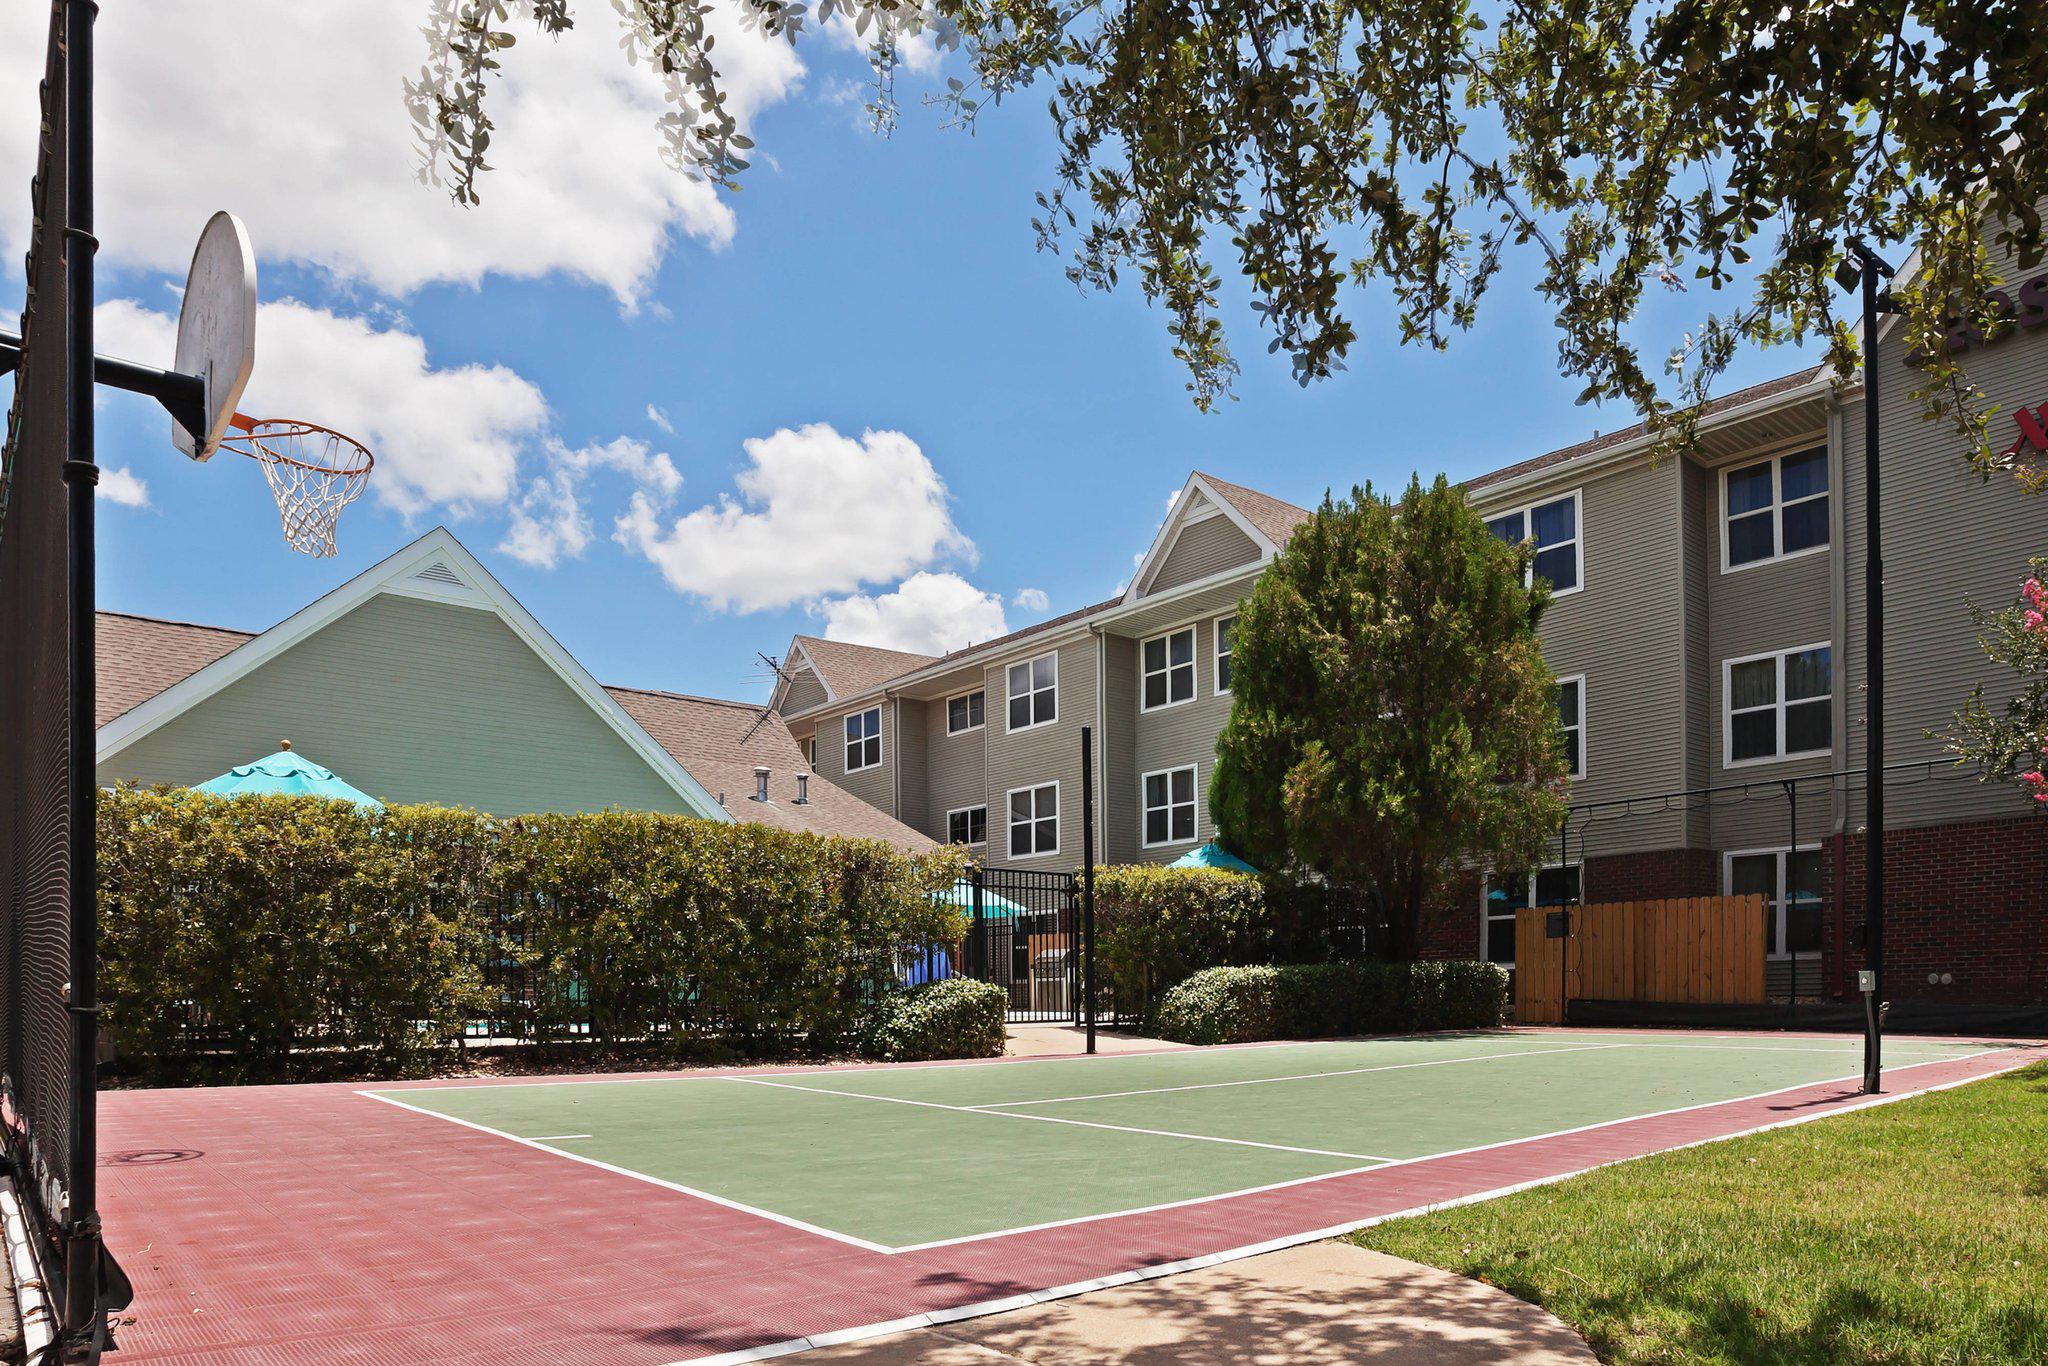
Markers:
1917,1231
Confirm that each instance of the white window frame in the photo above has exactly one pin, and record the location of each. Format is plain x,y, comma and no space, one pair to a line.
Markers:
1577,542
1025,664
1486,919
1781,903
1776,509
1194,666
1580,679
1217,654
1059,835
1194,773
881,745
981,843
1778,704
980,725
811,751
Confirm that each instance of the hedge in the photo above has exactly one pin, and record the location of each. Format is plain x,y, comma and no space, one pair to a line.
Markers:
256,926
957,1018
1320,1000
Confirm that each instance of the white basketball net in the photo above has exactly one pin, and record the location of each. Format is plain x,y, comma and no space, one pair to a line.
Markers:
313,474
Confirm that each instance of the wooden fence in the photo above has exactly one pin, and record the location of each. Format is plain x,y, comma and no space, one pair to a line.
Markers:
1695,949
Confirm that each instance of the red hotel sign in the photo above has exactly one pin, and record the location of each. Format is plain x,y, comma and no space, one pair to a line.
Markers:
2033,433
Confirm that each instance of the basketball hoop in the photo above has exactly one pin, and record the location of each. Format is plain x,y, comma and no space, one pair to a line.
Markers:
313,471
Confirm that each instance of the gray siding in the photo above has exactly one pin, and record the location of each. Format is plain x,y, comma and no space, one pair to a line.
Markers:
1120,747
1624,631
1949,540
412,701
803,693
875,786
1043,754
1201,549
955,769
1697,525
912,765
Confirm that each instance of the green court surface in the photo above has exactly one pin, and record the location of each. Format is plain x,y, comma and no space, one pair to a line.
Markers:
898,1158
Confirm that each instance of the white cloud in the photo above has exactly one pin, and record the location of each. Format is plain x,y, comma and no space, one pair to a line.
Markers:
1032,599
292,114
447,437
120,485
919,53
928,613
548,521
1172,497
659,417
817,513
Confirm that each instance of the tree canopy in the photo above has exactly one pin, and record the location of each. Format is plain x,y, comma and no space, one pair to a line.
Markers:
1392,720
1318,149
2010,744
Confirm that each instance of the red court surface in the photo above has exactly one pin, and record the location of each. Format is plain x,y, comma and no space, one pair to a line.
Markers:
308,1224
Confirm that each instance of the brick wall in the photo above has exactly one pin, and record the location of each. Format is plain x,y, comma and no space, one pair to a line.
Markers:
1652,876
1450,929
1968,902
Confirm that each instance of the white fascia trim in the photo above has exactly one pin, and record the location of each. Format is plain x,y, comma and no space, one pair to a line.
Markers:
389,575
1821,385
781,685
1247,572
1169,531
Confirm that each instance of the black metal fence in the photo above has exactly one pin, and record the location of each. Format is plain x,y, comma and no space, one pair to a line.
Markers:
1024,934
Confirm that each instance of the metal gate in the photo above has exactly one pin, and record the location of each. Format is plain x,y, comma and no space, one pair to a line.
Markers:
1024,934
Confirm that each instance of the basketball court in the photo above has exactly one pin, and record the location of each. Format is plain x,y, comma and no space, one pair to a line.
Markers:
738,1215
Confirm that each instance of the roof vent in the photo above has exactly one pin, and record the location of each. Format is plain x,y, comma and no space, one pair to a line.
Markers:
440,573
761,772
803,789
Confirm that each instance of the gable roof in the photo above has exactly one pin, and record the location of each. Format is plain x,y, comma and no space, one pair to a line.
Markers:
846,669
721,743
1275,518
436,567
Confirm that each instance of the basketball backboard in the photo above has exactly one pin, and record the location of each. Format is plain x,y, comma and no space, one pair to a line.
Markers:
217,329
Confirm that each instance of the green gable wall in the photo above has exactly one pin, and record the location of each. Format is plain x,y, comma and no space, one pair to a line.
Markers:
412,701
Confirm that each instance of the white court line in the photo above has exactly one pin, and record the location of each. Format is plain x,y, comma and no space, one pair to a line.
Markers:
1454,1152
555,1138
741,1206
1054,1119
958,1313
1002,1106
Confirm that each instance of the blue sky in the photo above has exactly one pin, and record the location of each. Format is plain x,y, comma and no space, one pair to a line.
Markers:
866,284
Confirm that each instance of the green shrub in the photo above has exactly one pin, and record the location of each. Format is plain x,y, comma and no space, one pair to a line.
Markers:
1154,926
283,923
957,1018
1320,1000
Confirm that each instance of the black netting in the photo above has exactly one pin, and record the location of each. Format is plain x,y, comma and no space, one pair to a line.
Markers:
35,881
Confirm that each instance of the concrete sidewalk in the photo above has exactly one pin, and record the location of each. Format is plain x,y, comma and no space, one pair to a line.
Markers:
1315,1305
1062,1040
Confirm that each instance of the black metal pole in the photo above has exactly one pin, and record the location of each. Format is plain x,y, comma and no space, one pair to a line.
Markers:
1873,653
1088,881
82,1227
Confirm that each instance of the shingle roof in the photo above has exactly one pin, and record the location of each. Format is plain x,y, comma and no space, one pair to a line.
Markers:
849,669
1275,519
1565,454
138,657
711,739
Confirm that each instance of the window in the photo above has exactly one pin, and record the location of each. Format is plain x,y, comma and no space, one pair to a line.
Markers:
1554,528
964,713
1778,706
1790,884
1169,806
1776,508
969,825
1035,821
864,739
1169,664
811,750
1508,893
1571,723
1224,626
1035,692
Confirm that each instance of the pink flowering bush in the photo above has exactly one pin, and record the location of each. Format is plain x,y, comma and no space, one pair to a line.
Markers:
2009,742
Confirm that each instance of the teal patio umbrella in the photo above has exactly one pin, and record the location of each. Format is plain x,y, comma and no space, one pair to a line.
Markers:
961,894
285,774
1212,855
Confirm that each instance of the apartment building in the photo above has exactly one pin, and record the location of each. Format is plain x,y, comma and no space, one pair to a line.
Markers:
1707,636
